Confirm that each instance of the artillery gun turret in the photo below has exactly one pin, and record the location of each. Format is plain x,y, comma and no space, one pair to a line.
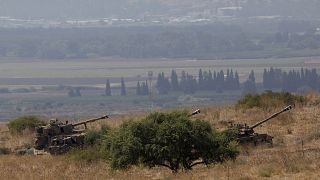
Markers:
246,134
57,137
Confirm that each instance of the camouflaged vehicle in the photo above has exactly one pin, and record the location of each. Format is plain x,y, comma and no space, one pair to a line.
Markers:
58,138
246,133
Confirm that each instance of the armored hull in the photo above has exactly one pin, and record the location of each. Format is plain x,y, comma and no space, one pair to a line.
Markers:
58,138
256,139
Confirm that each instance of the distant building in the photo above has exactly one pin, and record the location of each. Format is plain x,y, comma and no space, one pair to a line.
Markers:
229,11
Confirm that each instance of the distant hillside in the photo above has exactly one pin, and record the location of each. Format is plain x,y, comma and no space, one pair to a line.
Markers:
66,9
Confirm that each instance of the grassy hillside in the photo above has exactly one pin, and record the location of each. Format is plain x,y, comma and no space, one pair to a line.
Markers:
295,154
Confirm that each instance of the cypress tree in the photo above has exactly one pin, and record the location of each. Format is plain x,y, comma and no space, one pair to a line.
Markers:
250,84
145,88
237,81
265,79
183,81
123,88
174,81
108,88
138,90
201,84
77,92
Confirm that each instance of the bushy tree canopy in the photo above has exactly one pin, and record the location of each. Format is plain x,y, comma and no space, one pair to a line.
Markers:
171,140
24,122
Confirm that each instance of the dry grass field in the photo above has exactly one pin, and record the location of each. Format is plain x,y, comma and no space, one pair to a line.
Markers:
294,155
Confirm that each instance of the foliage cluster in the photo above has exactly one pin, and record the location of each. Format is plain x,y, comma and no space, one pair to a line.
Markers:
25,122
74,92
93,150
292,81
96,137
142,89
249,86
171,140
206,81
270,99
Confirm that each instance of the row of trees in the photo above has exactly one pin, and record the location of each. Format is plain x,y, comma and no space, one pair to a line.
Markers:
187,83
108,91
206,80
74,92
172,140
273,78
291,81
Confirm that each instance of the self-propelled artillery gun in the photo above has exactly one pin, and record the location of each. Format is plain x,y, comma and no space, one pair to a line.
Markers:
58,137
246,133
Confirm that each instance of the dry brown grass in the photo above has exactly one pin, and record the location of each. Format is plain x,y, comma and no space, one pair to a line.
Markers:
288,159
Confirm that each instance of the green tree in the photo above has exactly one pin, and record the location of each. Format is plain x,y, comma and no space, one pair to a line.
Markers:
108,88
138,90
145,88
71,93
237,81
77,92
174,81
123,88
171,140
74,92
25,122
201,83
249,86
163,84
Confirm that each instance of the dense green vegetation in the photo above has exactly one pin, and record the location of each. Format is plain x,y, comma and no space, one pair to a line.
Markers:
270,99
203,41
93,150
206,81
25,122
292,81
171,140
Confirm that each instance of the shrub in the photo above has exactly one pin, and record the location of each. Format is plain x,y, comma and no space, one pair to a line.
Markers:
270,99
92,137
25,122
90,154
171,140
92,151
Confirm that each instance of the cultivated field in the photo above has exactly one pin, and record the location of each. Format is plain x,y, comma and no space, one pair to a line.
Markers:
295,154
108,68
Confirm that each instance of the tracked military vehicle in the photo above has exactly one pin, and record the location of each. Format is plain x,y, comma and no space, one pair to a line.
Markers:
246,133
58,138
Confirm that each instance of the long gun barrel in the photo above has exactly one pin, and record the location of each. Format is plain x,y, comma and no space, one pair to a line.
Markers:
195,112
272,116
90,121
